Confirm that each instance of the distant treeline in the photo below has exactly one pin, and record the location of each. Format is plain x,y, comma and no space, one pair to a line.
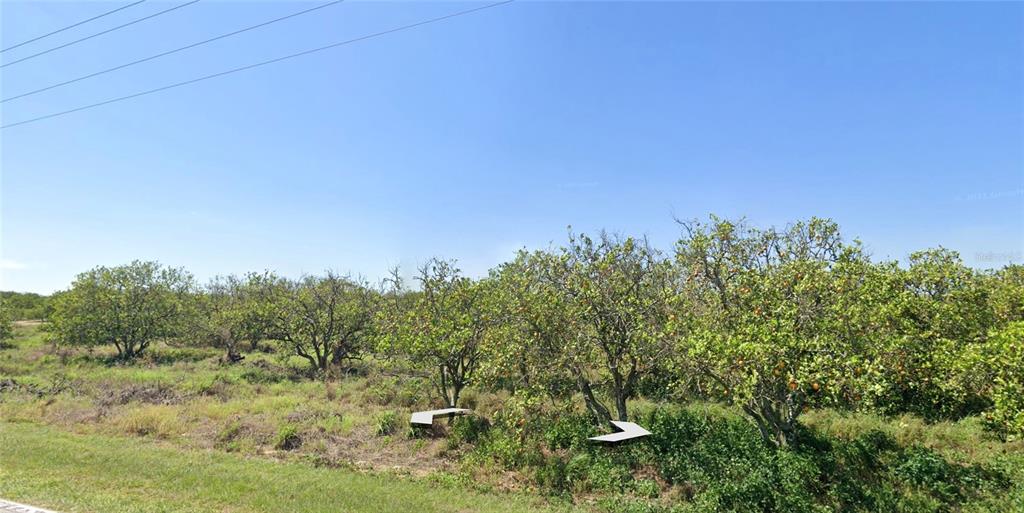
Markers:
20,306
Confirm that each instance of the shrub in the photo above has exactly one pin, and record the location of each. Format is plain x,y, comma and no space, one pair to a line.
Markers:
467,429
506,449
946,482
385,423
646,488
569,431
550,476
383,391
262,375
288,438
1000,364
597,471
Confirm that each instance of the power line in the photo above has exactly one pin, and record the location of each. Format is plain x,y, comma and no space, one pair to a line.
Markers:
169,52
133,22
98,16
259,64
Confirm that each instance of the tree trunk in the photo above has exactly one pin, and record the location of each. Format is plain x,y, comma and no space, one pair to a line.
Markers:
620,405
597,410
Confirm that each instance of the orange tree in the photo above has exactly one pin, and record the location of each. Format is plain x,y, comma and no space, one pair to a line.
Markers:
998,368
127,306
6,326
229,311
937,308
533,324
760,314
327,320
588,317
1007,294
443,327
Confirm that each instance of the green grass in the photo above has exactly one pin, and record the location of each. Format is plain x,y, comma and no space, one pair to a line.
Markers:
177,430
91,473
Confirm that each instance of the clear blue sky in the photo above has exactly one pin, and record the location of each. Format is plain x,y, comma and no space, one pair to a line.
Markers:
479,135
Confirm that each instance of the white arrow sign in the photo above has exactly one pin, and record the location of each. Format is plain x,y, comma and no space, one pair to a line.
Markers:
426,418
629,431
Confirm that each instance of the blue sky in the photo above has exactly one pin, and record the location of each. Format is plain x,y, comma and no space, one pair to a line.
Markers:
482,134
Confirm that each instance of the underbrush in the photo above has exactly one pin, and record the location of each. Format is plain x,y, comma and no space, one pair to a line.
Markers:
707,459
700,457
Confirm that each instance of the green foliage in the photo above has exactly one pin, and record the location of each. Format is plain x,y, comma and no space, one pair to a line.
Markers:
21,306
776,326
995,368
1006,294
947,483
231,311
444,329
467,429
703,457
263,375
569,432
326,320
935,311
128,306
287,438
762,316
385,423
588,317
6,327
719,462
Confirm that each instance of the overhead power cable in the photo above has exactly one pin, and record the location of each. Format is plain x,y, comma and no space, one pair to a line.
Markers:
259,64
109,30
73,25
169,52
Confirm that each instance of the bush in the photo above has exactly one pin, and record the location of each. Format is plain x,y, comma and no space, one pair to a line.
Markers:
393,391
385,423
999,359
506,449
569,431
287,438
262,375
217,384
467,429
717,461
550,476
597,471
946,482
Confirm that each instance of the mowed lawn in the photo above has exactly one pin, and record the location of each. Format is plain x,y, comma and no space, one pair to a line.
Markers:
68,472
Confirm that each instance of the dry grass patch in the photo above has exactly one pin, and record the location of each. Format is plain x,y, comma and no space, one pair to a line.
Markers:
159,421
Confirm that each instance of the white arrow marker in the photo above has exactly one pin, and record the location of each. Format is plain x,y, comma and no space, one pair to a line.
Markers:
426,418
629,431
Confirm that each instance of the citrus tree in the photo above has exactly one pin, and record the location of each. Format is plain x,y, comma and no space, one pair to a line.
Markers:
127,306
760,314
590,314
532,329
229,312
998,368
326,320
939,310
1007,294
442,328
